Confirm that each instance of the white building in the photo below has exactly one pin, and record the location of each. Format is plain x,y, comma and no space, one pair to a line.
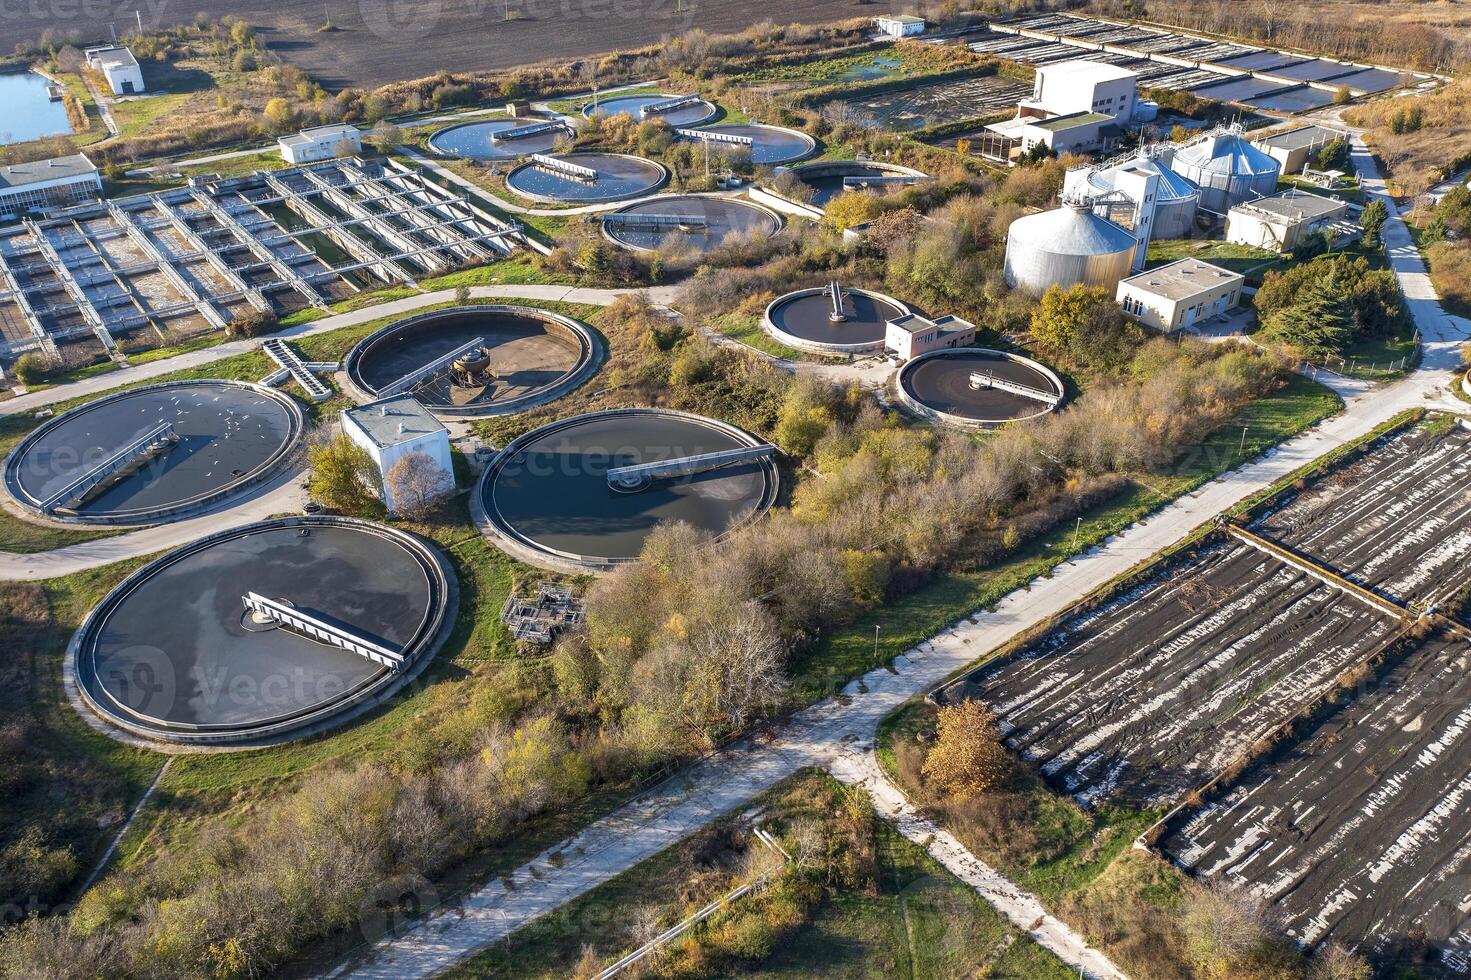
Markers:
394,428
118,66
900,25
1082,87
1295,147
1075,132
1283,221
912,335
1180,295
45,184
321,143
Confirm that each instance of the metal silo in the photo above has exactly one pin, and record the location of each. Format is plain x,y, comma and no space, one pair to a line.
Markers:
1227,169
1065,247
1175,198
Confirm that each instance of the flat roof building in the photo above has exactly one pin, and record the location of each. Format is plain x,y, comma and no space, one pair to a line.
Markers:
1180,295
1294,148
1283,221
1075,132
900,25
394,428
118,66
1070,87
912,335
321,143
46,184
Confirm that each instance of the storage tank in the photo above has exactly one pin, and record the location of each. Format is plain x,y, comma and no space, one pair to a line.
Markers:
1175,197
1065,247
1227,169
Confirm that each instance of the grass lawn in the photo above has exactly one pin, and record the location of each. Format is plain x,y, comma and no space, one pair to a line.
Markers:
747,330
1244,259
915,920
952,596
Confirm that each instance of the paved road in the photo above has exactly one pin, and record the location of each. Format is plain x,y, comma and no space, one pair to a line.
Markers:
827,733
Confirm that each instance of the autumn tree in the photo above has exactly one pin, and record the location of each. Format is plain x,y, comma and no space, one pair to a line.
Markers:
968,758
279,115
1085,325
344,478
851,208
387,136
417,485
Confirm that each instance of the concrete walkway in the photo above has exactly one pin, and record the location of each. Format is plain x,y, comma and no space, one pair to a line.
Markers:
143,372
828,733
1022,909
282,495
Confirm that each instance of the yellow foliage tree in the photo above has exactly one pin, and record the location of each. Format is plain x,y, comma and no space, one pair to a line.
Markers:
968,758
851,208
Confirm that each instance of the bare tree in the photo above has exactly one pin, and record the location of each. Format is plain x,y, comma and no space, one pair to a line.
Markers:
417,485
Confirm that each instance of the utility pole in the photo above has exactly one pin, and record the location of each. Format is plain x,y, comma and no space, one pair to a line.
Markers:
1077,529
1242,448
139,14
875,643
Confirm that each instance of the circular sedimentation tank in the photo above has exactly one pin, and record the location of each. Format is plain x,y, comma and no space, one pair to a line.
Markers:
173,653
527,357
826,178
805,319
547,498
590,178
770,145
711,220
976,388
222,437
487,140
1067,246
692,114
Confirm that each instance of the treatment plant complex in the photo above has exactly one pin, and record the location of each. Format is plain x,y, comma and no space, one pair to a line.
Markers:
942,493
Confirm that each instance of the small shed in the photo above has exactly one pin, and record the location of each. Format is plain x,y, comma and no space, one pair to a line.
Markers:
396,427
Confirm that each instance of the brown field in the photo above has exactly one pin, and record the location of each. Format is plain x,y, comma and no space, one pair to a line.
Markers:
377,41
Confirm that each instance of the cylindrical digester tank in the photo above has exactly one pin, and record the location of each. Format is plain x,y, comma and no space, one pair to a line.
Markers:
1227,169
1065,247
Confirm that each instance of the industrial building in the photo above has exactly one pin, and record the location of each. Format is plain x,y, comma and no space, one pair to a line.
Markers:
911,335
1227,168
104,279
1120,189
1283,221
1294,149
397,427
1067,246
119,67
900,25
321,143
1076,132
1070,87
44,185
1180,295
1076,107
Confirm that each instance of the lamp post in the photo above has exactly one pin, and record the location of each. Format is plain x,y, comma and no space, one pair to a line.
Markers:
876,628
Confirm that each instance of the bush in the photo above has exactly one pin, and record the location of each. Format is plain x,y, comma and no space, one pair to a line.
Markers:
1085,326
253,323
32,368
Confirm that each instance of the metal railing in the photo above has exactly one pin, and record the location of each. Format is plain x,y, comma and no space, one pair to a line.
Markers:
562,168
278,351
668,105
151,442
707,136
624,477
327,633
409,380
980,380
656,221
